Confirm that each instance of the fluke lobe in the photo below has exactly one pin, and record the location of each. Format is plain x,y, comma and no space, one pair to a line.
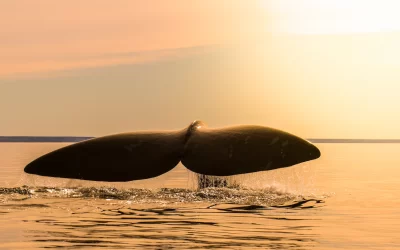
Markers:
141,155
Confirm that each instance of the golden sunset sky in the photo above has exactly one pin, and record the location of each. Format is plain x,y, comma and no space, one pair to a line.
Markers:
316,68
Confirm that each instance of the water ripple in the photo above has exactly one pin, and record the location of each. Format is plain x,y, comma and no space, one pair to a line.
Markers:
110,218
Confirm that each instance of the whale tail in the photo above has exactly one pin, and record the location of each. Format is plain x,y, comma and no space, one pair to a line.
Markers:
121,157
142,155
244,149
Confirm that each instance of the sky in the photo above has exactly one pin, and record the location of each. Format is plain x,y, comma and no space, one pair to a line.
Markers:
318,69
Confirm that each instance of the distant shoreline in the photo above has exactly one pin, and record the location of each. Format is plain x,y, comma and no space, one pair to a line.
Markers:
71,139
38,139
354,140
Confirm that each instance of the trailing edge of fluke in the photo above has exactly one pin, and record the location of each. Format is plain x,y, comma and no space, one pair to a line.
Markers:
141,155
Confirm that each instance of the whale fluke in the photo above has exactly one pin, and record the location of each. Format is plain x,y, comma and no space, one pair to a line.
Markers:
121,157
244,149
142,155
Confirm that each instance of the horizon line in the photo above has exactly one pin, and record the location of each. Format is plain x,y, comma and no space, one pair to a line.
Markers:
72,139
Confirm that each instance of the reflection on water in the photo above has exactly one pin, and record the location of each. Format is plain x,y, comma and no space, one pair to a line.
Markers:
163,219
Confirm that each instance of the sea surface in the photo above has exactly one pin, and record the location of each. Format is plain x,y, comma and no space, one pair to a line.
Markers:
347,199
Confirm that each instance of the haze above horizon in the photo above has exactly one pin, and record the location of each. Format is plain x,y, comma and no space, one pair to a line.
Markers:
319,69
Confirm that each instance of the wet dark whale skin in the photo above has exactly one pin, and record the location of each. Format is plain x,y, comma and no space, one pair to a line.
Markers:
244,149
122,157
142,155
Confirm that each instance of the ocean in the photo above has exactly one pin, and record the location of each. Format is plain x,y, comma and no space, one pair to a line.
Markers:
347,199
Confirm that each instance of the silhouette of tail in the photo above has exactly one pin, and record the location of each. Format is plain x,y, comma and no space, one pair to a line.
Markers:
142,155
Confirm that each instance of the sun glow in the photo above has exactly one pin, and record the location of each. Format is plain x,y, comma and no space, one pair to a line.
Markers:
334,16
